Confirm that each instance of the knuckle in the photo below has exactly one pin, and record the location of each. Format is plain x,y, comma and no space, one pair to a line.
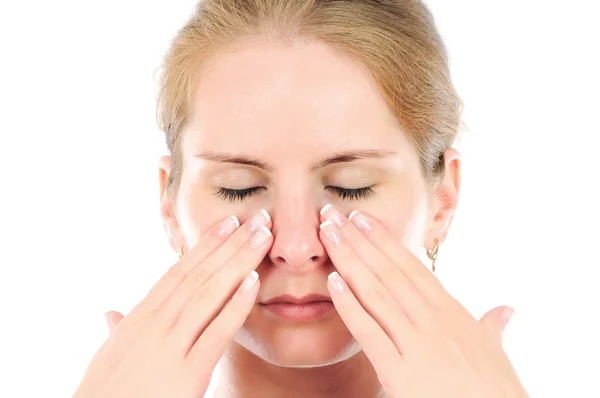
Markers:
236,304
214,290
249,256
176,272
203,294
198,276
351,311
375,293
225,280
212,239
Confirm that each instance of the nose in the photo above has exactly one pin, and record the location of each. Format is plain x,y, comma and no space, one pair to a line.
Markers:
296,244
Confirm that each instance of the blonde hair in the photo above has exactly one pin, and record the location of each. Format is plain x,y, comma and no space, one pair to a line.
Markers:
396,40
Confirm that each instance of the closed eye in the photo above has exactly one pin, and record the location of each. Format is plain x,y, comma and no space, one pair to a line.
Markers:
232,195
237,194
351,194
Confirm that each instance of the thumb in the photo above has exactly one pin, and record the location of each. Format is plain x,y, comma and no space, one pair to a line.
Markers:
112,319
495,320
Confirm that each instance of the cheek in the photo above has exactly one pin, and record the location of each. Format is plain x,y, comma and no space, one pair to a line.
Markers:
406,227
411,228
405,217
197,212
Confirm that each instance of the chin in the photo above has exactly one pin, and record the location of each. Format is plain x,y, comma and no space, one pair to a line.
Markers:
297,344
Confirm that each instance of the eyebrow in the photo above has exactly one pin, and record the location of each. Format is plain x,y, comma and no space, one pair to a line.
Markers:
340,157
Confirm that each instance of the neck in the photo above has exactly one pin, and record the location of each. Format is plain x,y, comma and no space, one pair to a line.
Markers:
243,374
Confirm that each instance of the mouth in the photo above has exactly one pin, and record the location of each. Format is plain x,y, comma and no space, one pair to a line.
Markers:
305,308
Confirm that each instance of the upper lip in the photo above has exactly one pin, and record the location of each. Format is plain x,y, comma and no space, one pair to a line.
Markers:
286,298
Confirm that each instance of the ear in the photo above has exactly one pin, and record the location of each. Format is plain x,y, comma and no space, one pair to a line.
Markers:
445,199
166,204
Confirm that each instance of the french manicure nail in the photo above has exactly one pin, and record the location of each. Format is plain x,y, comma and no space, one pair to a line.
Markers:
260,237
330,213
361,221
331,232
507,314
337,282
228,226
260,219
250,281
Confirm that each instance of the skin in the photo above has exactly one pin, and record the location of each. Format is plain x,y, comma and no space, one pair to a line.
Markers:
394,329
244,107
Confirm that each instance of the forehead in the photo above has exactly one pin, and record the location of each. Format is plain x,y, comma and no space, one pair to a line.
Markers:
289,102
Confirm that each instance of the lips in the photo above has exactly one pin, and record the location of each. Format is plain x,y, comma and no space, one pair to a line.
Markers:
306,308
288,299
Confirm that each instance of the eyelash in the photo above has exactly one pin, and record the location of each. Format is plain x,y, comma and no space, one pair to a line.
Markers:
237,194
351,194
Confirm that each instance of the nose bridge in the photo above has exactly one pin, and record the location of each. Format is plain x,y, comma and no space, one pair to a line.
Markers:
295,231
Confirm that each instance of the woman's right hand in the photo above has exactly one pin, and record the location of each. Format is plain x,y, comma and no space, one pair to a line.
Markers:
170,343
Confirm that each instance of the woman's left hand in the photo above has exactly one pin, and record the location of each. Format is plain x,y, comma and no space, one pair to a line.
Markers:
421,341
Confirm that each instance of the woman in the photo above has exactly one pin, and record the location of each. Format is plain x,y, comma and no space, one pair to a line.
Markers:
311,176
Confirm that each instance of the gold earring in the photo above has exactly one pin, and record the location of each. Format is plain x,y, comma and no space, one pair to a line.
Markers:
433,254
180,251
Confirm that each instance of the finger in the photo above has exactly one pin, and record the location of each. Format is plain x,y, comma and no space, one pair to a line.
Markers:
495,321
369,291
382,352
209,348
207,301
216,262
389,273
112,320
177,273
419,275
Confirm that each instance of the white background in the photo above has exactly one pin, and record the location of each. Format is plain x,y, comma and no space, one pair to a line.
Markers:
79,216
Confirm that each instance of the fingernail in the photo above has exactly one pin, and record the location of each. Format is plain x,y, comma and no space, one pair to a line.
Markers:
507,315
228,226
250,281
330,213
337,282
361,221
260,219
260,237
331,232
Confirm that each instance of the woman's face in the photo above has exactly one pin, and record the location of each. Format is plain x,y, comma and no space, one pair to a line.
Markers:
318,126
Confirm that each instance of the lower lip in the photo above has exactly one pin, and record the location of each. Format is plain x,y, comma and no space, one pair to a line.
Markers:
300,312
